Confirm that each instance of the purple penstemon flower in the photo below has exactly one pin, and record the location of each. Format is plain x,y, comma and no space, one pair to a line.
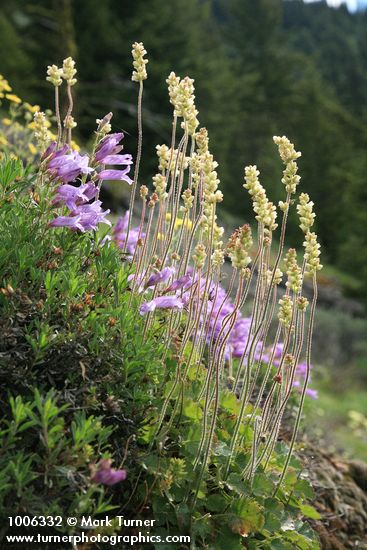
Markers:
162,302
84,217
118,159
73,222
107,475
120,233
108,146
107,154
309,391
50,150
181,282
117,175
160,277
90,215
68,166
73,196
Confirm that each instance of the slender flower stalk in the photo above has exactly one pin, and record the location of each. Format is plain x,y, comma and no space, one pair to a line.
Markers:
68,74
55,77
139,75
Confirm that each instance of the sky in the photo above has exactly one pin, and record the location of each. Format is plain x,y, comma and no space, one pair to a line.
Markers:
353,5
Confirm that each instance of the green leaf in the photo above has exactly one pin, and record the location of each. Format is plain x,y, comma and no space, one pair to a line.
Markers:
202,527
303,489
192,410
272,522
247,516
227,539
230,402
236,483
310,512
262,485
221,449
216,503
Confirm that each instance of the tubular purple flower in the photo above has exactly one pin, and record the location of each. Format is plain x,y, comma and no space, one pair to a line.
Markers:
118,159
90,190
90,215
107,475
72,196
120,232
313,394
179,283
50,149
73,222
107,146
53,153
162,302
68,167
160,277
120,175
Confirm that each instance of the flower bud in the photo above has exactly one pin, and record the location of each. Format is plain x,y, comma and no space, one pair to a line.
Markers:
199,256
312,253
306,215
69,71
54,75
138,51
302,303
285,310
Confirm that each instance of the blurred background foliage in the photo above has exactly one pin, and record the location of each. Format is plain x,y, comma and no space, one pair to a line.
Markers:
262,67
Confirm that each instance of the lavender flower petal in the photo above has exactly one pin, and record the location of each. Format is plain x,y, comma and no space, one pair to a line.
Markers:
162,302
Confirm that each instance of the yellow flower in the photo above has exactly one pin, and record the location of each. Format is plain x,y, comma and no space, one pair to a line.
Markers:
14,98
31,108
6,121
3,140
4,85
75,146
32,148
179,222
47,123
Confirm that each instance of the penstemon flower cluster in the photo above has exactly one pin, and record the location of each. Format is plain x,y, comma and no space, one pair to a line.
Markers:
77,178
176,256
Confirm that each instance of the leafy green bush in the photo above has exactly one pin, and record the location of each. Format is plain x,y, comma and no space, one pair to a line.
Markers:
44,462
